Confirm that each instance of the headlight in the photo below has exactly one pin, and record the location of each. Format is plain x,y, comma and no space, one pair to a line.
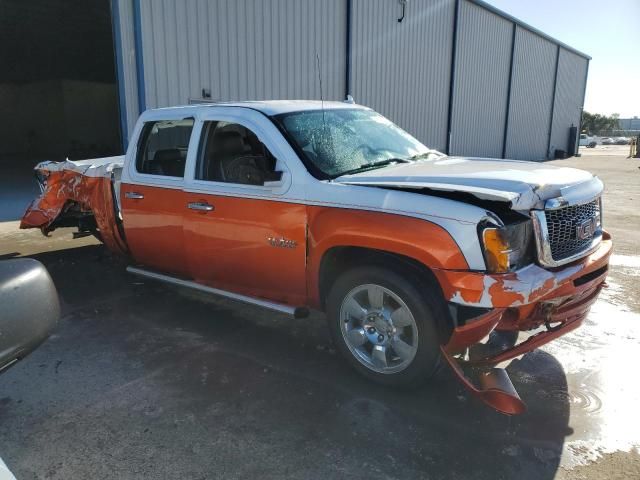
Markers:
507,248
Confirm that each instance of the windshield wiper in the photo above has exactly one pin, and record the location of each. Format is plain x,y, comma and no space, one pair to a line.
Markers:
374,165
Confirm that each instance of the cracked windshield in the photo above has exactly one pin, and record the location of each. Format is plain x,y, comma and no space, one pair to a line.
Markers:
337,142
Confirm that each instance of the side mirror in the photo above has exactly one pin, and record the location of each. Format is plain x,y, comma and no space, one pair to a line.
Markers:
30,308
275,179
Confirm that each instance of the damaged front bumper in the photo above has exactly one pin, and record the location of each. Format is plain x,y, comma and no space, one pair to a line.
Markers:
549,303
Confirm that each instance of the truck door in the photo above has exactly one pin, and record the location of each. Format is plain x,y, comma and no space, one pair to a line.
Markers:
241,235
152,198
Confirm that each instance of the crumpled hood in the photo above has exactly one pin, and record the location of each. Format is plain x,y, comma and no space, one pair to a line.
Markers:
525,185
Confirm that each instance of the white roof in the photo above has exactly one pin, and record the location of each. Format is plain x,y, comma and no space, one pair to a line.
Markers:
275,107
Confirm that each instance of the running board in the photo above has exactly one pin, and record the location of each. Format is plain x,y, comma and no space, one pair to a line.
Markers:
296,312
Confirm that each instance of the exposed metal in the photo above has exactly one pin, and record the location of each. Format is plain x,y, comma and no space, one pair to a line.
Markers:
378,328
296,312
403,69
483,55
569,98
242,50
531,96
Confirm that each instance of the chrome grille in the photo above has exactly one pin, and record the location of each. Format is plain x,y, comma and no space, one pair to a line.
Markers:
562,227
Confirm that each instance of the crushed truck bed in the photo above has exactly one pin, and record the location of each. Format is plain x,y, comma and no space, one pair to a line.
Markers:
79,187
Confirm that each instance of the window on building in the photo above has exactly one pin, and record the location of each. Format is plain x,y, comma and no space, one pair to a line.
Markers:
163,147
232,153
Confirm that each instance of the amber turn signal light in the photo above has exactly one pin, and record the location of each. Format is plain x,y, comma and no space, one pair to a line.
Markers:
496,250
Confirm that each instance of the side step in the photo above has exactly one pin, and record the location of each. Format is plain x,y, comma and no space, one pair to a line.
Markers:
296,312
496,389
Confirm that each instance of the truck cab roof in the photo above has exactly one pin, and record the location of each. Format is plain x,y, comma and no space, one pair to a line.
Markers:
270,107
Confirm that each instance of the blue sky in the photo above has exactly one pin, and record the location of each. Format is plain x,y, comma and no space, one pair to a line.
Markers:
607,31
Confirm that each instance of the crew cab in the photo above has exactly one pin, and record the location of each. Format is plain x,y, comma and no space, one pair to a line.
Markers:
417,258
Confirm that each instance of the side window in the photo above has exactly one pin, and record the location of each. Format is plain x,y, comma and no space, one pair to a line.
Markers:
232,153
162,149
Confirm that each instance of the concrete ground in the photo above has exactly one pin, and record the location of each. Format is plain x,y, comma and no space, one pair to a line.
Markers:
145,381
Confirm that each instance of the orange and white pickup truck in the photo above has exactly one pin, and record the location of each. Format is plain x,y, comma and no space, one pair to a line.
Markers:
417,258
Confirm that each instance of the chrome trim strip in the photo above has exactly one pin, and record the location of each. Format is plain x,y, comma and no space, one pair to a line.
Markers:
278,307
202,206
134,195
543,246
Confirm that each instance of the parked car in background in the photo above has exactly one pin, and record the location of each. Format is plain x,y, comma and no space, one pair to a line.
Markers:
621,140
414,256
30,308
607,141
587,141
30,311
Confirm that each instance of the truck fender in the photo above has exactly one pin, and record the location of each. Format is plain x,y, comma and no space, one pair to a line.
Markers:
420,240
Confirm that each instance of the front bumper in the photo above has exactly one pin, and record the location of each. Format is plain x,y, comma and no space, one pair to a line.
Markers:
525,300
528,298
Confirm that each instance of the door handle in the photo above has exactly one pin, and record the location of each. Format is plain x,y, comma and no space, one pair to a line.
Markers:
202,206
134,195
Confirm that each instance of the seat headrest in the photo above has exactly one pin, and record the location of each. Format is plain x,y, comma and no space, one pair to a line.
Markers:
228,142
167,154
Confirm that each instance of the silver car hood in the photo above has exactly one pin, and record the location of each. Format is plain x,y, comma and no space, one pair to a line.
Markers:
524,185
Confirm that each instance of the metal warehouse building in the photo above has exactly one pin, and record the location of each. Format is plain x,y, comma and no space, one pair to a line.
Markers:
459,75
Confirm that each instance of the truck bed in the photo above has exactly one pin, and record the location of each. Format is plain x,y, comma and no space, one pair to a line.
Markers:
79,193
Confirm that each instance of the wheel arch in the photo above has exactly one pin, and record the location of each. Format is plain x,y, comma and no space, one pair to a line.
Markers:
345,236
340,259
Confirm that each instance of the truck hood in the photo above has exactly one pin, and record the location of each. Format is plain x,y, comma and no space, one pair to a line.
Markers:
524,185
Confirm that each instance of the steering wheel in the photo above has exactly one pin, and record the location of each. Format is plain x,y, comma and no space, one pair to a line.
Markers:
242,170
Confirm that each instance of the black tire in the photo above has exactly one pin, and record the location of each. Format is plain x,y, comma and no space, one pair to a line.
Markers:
592,145
426,304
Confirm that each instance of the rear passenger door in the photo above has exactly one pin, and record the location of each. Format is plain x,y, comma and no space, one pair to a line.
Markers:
152,200
241,234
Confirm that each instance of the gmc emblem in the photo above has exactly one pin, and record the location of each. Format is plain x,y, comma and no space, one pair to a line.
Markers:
586,229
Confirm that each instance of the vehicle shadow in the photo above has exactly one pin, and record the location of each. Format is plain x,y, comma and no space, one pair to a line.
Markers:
269,392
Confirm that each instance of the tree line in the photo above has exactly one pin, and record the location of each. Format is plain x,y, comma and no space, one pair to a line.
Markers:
593,123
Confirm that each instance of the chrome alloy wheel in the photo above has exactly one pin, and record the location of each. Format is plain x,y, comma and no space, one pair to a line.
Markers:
378,328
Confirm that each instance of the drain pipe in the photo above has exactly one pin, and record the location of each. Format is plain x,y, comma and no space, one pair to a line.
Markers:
347,79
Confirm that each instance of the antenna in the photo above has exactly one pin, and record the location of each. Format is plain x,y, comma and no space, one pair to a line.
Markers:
320,80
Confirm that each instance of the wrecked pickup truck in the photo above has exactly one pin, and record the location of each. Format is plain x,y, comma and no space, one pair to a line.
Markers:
417,258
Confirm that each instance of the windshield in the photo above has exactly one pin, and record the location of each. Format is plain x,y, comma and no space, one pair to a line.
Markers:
340,141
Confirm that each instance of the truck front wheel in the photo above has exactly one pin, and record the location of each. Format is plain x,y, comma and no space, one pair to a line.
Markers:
384,323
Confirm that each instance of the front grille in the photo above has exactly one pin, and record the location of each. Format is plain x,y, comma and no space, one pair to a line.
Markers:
562,227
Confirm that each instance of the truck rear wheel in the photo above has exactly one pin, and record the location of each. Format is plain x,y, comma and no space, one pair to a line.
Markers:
385,324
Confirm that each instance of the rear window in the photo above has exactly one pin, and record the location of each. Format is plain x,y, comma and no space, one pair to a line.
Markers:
163,147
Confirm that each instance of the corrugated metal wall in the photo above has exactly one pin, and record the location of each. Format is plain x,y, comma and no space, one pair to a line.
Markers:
572,74
402,69
534,66
481,83
128,58
242,49
259,49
